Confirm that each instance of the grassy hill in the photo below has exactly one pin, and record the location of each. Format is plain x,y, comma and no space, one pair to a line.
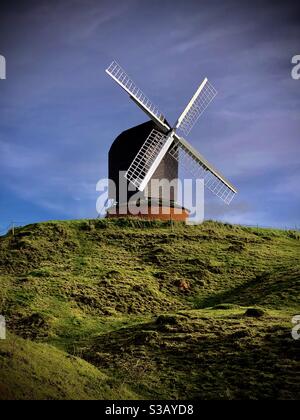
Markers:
137,309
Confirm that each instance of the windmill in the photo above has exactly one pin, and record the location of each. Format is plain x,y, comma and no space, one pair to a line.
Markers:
163,143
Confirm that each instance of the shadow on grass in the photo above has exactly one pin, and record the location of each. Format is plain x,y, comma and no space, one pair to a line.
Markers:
269,287
181,358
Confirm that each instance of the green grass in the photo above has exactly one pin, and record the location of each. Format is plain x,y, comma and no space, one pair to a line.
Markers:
39,371
203,355
98,290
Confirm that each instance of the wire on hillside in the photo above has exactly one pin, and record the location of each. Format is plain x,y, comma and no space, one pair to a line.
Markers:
12,225
19,223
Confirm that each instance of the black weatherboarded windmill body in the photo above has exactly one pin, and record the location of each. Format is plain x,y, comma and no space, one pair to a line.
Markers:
153,150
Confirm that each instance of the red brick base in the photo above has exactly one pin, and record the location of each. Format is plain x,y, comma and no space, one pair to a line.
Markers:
154,213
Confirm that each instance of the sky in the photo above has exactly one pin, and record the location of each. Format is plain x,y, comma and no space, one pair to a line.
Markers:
60,112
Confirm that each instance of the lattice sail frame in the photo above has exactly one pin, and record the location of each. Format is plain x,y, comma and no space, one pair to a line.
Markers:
201,169
158,144
148,158
197,105
122,78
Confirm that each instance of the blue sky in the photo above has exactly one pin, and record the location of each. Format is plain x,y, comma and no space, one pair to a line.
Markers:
59,111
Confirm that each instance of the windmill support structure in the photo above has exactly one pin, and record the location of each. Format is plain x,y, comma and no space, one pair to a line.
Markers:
151,211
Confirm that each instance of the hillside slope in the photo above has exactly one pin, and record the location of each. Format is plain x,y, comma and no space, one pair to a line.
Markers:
39,371
98,289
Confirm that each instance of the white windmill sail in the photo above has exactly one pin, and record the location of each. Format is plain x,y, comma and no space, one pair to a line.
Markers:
136,94
148,159
200,168
197,105
159,143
